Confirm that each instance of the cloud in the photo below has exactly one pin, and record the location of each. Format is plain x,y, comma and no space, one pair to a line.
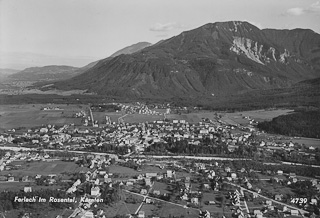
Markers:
313,8
296,11
159,27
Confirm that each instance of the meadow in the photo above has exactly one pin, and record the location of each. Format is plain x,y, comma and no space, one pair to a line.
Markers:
43,168
31,115
257,115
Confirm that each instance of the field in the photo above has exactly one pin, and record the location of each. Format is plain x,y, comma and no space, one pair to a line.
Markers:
44,168
101,116
306,141
30,115
126,172
18,186
44,213
141,118
258,115
167,209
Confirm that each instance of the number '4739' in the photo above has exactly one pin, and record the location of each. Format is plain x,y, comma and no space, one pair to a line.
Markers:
299,200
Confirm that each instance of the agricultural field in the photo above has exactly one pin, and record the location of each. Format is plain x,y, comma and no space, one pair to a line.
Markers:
18,186
304,141
123,208
167,209
101,116
44,213
141,118
257,115
126,172
31,115
44,168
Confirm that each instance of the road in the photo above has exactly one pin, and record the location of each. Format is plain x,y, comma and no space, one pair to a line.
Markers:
253,192
153,156
157,199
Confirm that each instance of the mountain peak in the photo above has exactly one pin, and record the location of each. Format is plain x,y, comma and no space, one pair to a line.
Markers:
221,58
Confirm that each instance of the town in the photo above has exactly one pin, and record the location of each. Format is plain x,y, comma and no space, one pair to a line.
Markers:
159,168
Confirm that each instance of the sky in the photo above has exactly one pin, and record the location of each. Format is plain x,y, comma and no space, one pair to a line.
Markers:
77,32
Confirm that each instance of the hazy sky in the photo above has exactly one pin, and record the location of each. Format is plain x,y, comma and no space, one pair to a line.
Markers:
76,32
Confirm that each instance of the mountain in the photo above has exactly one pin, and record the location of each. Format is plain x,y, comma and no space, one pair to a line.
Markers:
132,48
127,50
46,73
216,59
4,72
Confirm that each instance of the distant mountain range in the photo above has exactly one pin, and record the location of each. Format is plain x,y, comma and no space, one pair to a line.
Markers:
4,73
8,71
216,59
56,72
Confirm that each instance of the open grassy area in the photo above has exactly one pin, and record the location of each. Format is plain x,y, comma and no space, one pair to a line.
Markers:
30,115
141,118
43,168
44,213
304,141
168,209
258,115
18,186
101,116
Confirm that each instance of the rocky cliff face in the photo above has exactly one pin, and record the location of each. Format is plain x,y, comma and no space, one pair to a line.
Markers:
217,59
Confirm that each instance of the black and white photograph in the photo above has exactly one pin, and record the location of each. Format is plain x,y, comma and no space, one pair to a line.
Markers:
159,108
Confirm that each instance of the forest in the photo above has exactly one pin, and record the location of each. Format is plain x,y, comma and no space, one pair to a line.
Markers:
301,124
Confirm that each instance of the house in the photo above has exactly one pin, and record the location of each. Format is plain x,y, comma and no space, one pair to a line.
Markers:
294,213
206,186
129,183
227,169
95,191
194,201
148,181
156,192
27,189
141,214
278,197
314,201
143,191
233,175
170,173
184,197
268,202
280,172
149,175
257,213
72,189
249,186
149,201
88,214
11,179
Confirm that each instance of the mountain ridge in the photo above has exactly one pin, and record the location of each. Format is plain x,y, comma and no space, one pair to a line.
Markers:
216,59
